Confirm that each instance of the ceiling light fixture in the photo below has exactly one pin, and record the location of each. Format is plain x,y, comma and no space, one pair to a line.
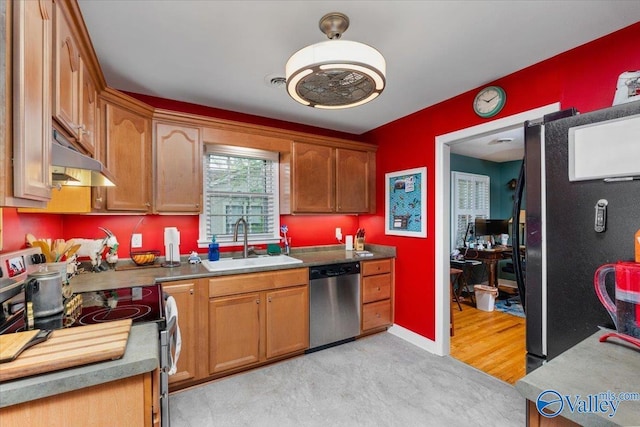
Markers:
337,73
500,141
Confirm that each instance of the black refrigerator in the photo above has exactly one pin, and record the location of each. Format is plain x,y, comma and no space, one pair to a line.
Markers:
567,236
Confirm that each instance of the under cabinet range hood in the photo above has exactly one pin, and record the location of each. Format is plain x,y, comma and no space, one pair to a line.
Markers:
70,167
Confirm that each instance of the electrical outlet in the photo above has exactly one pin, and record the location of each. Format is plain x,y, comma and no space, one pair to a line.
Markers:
338,233
136,240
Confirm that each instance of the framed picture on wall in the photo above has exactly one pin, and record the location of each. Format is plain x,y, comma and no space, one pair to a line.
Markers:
405,210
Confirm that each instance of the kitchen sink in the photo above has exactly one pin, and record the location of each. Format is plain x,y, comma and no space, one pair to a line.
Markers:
225,264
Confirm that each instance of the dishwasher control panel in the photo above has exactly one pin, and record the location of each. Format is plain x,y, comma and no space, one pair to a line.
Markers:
332,270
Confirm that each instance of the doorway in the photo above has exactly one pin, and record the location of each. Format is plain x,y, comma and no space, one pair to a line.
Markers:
443,211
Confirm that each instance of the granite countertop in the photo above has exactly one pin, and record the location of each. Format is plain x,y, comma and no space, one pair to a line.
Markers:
140,276
141,355
591,368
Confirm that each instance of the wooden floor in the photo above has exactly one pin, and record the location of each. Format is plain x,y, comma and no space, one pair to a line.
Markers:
493,342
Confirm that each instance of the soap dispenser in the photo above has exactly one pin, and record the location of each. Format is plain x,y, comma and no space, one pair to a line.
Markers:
214,250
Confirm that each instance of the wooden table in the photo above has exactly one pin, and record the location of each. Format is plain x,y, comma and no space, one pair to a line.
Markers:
489,257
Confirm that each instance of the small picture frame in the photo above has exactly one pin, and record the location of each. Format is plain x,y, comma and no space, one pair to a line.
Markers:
406,203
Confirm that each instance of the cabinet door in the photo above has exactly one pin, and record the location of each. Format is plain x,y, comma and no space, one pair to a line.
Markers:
32,32
185,295
352,181
128,158
178,171
234,332
66,70
287,321
313,178
87,110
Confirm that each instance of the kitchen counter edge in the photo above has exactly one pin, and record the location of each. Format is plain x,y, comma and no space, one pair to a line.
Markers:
310,257
590,367
141,355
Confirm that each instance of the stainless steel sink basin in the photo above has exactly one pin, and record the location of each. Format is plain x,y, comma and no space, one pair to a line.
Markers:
225,264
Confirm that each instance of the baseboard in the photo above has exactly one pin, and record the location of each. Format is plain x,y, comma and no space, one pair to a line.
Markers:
415,339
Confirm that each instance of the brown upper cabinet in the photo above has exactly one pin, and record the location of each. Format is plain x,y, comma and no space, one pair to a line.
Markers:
313,178
53,73
74,94
128,158
178,168
26,149
87,111
355,181
328,179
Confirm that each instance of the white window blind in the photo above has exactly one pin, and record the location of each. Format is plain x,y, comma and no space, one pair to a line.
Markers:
469,200
239,182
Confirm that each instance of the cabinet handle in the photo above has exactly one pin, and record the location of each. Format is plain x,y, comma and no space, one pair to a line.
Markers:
98,199
378,288
378,315
257,301
190,291
147,204
269,299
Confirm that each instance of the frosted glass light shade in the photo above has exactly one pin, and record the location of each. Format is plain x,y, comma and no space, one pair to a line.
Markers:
335,74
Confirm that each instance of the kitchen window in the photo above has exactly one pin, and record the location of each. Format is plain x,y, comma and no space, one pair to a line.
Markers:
239,182
469,200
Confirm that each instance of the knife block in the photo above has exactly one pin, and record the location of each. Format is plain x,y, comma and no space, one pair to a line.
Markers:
359,244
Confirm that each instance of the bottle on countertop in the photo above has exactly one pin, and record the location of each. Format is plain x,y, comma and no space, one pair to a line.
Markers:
214,250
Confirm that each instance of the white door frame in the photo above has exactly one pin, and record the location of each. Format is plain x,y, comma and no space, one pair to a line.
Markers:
443,214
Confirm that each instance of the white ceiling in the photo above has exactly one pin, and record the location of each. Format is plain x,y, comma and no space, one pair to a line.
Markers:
503,146
223,53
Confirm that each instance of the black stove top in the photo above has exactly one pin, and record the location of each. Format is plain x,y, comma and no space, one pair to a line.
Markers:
139,303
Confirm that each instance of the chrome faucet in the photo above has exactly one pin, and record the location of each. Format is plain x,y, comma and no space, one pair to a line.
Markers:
245,250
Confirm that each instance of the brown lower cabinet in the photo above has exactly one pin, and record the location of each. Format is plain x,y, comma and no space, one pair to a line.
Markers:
534,419
377,294
257,318
130,401
235,322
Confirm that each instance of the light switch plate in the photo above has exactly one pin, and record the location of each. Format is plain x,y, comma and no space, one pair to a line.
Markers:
136,240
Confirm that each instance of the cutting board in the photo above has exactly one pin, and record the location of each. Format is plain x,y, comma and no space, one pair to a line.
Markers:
70,347
12,344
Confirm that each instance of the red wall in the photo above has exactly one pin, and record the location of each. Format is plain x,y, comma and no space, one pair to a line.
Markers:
584,78
307,230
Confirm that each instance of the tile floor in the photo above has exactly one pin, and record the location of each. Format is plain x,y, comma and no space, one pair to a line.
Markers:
381,380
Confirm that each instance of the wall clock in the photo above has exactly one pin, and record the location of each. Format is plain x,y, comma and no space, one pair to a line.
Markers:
489,101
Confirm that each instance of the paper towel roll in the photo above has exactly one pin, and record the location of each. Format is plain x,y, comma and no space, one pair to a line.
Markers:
171,244
349,243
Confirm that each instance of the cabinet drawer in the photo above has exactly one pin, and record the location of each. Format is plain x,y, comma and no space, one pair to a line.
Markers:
376,267
253,282
376,314
376,288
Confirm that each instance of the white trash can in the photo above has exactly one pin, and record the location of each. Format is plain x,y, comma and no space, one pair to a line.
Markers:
485,297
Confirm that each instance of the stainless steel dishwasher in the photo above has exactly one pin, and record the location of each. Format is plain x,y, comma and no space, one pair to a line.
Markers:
334,304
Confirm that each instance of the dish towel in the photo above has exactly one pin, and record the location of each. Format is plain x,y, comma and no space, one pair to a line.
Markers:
175,340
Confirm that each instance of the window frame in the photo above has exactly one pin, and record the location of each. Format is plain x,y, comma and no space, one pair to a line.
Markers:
456,176
244,152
